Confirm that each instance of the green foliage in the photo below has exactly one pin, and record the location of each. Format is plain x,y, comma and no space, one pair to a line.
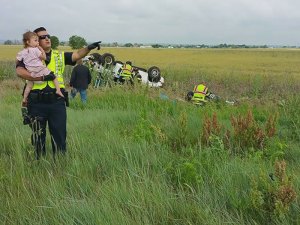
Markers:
184,173
103,79
290,118
276,150
146,130
273,195
128,45
178,136
77,42
8,42
7,70
54,42
156,46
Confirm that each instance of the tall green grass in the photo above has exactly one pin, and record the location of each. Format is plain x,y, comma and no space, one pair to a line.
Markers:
134,158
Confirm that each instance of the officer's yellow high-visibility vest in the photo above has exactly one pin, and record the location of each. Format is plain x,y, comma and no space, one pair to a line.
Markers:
57,66
200,92
126,71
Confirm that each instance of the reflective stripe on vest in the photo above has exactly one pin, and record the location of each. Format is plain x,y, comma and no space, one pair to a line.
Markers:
200,92
57,66
126,71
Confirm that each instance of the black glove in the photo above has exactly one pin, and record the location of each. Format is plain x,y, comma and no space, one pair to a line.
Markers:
94,45
49,77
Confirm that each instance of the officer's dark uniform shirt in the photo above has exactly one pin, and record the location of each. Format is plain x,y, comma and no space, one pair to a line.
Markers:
68,61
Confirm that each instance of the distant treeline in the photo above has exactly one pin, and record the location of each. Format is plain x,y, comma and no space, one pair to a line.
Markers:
221,46
139,45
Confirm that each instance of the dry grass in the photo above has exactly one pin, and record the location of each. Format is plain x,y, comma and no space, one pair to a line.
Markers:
231,73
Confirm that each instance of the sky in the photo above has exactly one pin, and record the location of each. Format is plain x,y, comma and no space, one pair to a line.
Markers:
251,22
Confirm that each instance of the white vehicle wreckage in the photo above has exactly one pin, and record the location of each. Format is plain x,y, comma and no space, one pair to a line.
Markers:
107,65
108,69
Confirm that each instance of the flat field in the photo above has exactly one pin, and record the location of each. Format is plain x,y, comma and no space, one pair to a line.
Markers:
139,155
233,73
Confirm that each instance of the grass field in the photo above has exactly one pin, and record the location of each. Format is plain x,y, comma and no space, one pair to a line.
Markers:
134,158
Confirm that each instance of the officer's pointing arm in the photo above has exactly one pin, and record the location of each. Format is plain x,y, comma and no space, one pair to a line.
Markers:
84,51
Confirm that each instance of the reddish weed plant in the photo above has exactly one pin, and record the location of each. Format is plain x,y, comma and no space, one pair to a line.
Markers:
245,131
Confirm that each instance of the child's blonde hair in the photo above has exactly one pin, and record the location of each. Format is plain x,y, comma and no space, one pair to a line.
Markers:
27,36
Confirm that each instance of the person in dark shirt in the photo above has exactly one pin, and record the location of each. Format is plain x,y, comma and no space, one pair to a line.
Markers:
80,80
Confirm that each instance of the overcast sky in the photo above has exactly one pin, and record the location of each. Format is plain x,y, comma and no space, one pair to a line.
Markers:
272,22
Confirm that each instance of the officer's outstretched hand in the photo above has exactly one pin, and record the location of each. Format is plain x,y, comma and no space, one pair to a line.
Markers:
94,45
49,77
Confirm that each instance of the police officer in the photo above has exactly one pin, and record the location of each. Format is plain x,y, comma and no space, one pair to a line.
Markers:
44,106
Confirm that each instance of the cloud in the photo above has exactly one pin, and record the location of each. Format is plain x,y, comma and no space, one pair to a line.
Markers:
158,21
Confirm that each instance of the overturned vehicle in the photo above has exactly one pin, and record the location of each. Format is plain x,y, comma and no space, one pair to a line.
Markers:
109,69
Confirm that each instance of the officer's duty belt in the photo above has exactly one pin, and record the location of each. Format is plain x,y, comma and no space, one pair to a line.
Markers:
43,97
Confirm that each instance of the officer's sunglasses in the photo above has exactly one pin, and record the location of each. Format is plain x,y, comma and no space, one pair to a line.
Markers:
44,36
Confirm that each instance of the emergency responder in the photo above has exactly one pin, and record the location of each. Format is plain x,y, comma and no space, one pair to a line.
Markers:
43,104
125,73
199,96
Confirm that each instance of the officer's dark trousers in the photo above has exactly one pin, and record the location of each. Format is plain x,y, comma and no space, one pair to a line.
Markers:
54,113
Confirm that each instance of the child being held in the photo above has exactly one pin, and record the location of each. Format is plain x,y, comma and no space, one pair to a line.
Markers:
32,56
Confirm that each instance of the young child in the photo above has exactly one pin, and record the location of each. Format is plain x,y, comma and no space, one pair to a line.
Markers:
32,56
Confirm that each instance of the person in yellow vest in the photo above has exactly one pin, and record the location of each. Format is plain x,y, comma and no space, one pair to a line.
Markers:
125,73
200,95
44,106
